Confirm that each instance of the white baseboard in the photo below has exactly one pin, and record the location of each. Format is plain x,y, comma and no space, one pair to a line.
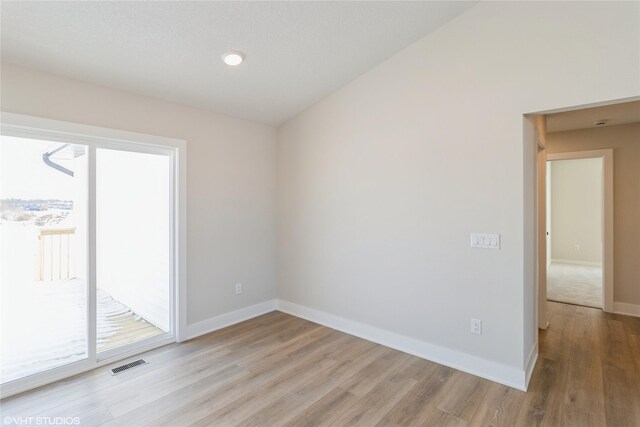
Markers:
575,262
625,308
497,372
500,373
222,321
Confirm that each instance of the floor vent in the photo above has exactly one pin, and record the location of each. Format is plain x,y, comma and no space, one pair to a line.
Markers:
120,369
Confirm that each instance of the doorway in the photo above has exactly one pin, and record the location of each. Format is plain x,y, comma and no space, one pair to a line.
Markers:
578,267
574,231
593,131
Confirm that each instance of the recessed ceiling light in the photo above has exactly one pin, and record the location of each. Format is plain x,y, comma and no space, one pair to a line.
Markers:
233,58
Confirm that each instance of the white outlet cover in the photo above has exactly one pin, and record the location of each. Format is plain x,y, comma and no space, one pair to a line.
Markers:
476,326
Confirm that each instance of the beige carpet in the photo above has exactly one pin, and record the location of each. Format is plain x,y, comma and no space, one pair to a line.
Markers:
575,284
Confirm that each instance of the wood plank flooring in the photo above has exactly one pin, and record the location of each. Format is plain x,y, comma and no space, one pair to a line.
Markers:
278,370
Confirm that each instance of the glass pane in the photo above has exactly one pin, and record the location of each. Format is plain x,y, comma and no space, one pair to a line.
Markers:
133,240
43,244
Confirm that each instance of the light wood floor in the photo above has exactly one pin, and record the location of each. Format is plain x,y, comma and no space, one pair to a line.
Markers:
279,370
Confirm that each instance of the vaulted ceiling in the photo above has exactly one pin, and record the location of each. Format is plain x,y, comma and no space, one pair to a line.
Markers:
296,52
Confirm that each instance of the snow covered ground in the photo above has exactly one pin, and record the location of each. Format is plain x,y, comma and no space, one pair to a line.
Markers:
43,323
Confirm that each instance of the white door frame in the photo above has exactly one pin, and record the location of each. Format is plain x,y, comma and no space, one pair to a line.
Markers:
607,215
96,137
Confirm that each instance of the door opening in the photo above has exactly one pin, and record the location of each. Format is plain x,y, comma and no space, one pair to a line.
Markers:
563,135
574,231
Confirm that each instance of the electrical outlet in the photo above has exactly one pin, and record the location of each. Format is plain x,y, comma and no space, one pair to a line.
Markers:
238,288
476,326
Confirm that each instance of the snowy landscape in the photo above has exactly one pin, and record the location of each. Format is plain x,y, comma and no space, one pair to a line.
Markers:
43,322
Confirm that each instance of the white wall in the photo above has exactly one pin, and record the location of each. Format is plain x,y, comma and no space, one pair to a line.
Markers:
576,210
381,183
231,179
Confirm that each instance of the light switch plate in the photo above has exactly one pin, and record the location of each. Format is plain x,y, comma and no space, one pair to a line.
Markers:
485,241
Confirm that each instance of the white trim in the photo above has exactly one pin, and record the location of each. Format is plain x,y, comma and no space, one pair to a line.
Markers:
607,216
38,380
227,319
38,127
498,372
531,364
585,106
180,242
576,262
91,285
626,309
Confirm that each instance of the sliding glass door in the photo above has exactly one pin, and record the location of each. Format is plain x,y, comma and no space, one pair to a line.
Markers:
87,241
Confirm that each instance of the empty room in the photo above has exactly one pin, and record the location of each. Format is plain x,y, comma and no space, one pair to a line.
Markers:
313,213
